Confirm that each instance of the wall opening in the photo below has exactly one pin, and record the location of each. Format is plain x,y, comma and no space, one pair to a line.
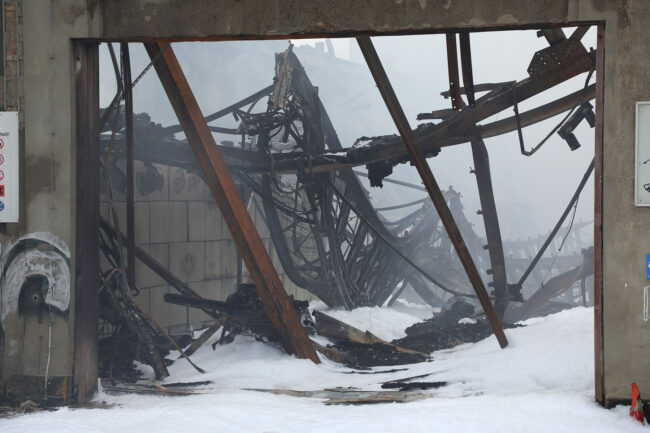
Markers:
309,140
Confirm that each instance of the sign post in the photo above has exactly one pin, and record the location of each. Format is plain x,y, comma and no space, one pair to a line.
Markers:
9,148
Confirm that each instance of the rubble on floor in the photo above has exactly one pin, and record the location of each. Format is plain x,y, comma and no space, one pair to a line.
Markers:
447,329
359,349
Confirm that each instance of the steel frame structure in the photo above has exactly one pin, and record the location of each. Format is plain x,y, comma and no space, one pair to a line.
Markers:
383,154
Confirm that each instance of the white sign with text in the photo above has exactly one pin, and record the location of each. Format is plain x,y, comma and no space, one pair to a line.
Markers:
9,148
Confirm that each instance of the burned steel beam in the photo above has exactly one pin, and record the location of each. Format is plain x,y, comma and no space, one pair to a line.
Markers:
458,127
443,114
386,90
579,32
466,63
351,157
491,222
358,254
178,154
483,87
552,35
395,182
452,68
538,114
130,170
215,171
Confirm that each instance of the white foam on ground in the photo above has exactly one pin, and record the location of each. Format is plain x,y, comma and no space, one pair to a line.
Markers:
542,382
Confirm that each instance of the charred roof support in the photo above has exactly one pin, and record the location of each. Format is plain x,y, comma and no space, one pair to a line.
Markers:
268,285
466,63
178,154
491,222
130,170
386,90
452,67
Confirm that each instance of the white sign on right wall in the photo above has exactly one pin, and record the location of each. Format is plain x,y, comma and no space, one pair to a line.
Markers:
642,163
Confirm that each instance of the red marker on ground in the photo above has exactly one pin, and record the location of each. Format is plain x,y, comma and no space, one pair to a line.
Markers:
636,411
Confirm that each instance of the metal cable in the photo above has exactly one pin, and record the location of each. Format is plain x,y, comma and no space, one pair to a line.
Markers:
566,235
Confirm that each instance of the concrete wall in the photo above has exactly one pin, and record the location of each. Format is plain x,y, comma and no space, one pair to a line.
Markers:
43,94
49,123
626,228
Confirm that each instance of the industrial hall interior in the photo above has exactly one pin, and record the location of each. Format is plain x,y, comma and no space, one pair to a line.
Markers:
327,216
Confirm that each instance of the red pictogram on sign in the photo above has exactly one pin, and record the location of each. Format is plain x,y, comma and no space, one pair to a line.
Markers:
2,190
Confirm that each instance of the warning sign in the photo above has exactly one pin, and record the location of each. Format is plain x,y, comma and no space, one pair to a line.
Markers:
9,175
642,172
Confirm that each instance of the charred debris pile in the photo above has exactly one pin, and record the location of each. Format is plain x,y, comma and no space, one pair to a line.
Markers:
243,314
447,329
